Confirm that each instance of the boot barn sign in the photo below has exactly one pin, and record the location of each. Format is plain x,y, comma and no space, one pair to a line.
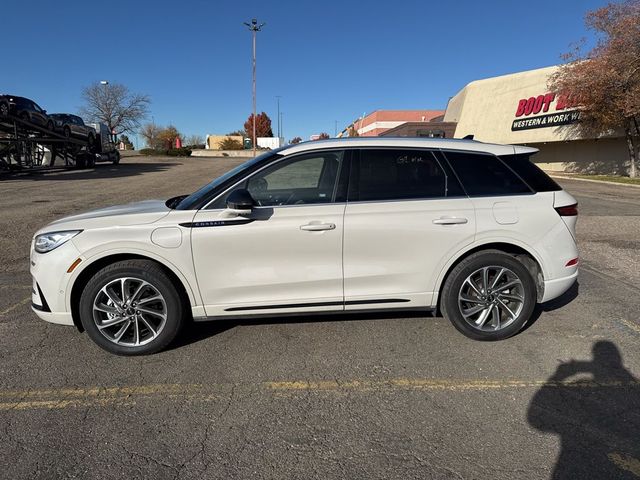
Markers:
529,109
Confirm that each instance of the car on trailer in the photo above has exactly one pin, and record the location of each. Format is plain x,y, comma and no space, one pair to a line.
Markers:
73,126
26,110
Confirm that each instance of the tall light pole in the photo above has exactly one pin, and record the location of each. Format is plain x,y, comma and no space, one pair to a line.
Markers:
278,97
254,28
281,126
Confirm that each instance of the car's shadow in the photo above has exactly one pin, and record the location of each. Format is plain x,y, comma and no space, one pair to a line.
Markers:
197,331
565,299
100,171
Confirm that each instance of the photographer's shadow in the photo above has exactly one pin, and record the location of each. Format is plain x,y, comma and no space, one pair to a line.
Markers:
596,415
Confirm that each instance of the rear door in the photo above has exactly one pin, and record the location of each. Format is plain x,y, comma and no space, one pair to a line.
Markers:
406,215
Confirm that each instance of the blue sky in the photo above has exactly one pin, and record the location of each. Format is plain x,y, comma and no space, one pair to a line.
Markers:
329,61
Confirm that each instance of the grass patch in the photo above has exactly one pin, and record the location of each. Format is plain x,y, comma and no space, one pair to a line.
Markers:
610,178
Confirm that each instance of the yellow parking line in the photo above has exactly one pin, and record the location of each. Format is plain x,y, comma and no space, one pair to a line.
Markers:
58,398
625,462
633,326
22,302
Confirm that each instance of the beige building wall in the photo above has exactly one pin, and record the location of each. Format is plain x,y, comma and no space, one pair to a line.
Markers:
604,156
214,141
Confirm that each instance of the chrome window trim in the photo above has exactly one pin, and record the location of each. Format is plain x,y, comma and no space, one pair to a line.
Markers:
289,157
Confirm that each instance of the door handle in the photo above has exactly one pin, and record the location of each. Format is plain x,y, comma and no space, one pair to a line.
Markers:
317,227
450,221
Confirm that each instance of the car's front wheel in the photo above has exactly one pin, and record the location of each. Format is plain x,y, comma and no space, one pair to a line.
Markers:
489,295
131,308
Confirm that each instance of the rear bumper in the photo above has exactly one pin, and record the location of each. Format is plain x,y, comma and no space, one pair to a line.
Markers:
555,288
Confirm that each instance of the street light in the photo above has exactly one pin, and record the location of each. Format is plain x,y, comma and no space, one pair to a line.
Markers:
104,82
254,28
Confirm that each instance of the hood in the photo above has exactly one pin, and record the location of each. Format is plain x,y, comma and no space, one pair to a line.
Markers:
137,213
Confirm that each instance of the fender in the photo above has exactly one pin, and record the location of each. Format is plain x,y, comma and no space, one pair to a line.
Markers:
479,243
87,260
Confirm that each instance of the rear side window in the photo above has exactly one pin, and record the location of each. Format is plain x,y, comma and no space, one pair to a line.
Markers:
530,173
393,174
483,174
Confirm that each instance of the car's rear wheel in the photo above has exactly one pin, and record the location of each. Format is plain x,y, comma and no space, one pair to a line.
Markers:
489,295
131,308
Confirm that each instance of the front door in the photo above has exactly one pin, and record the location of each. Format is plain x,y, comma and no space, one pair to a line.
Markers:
286,256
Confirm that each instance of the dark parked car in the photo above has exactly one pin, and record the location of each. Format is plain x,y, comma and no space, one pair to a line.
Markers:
25,109
72,125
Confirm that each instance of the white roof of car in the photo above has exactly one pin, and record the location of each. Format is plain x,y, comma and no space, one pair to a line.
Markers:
444,143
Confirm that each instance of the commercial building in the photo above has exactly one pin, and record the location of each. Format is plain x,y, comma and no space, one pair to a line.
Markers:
520,109
378,122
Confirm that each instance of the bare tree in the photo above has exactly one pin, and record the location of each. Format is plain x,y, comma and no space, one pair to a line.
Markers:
150,133
194,140
113,104
605,82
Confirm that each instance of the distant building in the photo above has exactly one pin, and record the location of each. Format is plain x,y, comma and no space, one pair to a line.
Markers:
378,122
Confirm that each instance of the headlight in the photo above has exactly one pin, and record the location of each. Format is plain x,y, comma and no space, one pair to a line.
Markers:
48,241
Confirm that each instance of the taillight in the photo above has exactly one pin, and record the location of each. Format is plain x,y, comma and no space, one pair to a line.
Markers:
568,211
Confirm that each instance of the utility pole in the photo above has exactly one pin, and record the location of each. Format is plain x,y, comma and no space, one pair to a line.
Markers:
254,28
281,126
278,97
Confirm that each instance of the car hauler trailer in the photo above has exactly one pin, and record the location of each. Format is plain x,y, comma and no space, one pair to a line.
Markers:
26,145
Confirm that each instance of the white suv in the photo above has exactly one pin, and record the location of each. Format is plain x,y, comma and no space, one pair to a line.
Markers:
471,228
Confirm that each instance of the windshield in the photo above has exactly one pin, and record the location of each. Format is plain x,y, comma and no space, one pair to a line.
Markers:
192,201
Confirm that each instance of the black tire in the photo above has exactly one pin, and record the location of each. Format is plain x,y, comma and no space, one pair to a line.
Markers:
50,126
91,161
81,160
66,131
452,305
4,109
116,157
147,271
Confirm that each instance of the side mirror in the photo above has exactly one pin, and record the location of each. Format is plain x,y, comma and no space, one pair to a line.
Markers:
240,202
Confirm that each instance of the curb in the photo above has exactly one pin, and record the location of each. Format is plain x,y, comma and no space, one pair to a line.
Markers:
566,177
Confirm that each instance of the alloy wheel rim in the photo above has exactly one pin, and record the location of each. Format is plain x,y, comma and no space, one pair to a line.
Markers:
491,298
129,311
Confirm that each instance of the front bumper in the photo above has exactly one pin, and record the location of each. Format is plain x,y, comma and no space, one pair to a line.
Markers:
51,282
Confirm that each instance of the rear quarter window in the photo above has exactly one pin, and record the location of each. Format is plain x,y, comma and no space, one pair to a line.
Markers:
483,174
531,173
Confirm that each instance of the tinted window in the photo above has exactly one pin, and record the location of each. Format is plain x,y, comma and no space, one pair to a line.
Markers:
531,173
483,174
390,174
301,180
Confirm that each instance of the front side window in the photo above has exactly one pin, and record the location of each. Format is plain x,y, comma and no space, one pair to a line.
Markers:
301,180
393,174
483,174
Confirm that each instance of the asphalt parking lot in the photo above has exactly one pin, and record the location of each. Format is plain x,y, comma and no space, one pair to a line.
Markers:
367,396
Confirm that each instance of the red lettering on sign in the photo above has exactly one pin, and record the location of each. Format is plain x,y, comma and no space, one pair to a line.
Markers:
537,106
529,108
521,104
548,98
